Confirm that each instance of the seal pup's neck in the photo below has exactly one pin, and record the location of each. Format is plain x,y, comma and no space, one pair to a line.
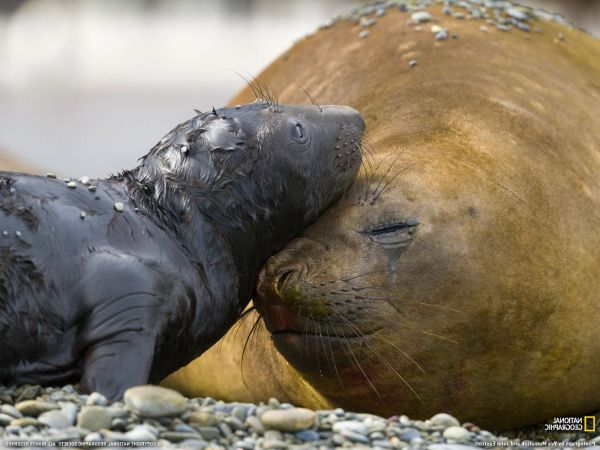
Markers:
242,212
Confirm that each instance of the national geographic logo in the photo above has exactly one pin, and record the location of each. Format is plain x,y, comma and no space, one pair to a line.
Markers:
586,423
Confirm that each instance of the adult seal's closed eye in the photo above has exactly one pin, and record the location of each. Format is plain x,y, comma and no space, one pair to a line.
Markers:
120,281
461,273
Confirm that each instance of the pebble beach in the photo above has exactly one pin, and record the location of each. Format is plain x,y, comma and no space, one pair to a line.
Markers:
153,416
32,416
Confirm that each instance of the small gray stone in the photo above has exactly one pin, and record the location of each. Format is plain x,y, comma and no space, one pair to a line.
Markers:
408,434
84,180
154,401
444,420
366,22
295,419
5,419
51,175
96,398
363,34
239,413
72,184
421,17
307,435
458,15
255,424
350,425
55,419
412,63
441,35
34,408
11,411
501,27
516,14
209,433
94,418
355,437
119,206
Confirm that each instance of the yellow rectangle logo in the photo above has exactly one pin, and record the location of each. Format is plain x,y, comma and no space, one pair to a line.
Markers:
589,424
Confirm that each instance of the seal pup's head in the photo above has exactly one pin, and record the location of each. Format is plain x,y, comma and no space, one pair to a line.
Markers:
260,172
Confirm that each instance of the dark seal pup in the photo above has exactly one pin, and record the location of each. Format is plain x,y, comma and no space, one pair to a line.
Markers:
123,281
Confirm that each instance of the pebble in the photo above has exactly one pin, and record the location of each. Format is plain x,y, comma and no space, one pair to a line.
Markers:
350,425
516,14
363,34
119,206
34,408
55,419
442,35
94,418
444,420
436,29
457,434
51,175
11,411
421,17
295,419
412,63
72,184
154,401
95,398
84,180
5,419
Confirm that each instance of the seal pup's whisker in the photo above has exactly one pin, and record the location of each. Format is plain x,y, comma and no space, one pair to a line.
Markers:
312,100
383,360
256,322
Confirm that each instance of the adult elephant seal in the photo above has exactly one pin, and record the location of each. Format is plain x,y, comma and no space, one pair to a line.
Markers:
462,271
125,281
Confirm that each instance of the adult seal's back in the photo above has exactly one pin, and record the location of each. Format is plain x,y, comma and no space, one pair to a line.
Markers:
461,273
118,282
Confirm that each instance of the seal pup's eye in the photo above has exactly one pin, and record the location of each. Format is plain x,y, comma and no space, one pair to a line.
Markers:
299,131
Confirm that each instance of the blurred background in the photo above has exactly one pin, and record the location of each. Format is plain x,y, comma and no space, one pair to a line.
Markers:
88,86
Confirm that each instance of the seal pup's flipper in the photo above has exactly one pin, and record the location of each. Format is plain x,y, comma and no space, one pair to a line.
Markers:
120,332
112,366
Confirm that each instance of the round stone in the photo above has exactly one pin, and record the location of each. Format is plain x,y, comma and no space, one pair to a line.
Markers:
458,434
94,418
96,398
412,63
294,419
119,206
72,184
444,420
55,419
154,401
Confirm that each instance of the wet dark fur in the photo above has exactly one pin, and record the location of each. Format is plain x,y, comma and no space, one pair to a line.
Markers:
116,299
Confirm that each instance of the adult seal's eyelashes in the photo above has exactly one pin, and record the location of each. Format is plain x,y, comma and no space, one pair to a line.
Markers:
167,253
